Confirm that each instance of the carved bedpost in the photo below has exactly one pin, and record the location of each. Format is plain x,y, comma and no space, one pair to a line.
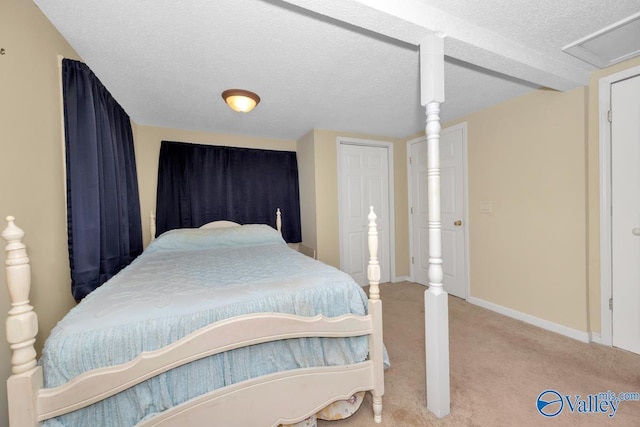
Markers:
435,298
373,269
376,352
152,226
278,221
22,328
22,322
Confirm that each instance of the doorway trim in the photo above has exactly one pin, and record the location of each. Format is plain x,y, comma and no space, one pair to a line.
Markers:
341,140
604,131
465,195
410,200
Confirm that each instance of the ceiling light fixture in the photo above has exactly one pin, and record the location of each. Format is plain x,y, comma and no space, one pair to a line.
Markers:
240,100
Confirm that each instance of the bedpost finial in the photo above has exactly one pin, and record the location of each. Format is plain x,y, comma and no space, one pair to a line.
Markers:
372,215
18,270
278,220
12,233
152,225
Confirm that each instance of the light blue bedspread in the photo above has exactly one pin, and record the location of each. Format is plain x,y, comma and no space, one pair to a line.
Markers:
185,280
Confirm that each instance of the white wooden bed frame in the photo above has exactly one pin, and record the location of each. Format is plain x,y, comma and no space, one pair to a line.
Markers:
281,398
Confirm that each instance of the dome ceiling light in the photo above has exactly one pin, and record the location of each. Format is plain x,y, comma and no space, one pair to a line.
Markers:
240,100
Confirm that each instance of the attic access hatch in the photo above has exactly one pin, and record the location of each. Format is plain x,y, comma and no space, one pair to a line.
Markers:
613,44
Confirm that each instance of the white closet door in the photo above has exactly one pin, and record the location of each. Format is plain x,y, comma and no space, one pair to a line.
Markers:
452,207
453,210
364,182
625,199
419,212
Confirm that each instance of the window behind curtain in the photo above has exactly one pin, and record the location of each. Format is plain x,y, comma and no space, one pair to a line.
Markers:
103,207
202,183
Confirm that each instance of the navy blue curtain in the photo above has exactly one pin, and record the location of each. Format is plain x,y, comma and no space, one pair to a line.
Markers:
103,207
202,183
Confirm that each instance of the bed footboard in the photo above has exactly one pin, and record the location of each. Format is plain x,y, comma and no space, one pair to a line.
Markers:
282,398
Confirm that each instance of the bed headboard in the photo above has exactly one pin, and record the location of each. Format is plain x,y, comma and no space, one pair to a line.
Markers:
214,224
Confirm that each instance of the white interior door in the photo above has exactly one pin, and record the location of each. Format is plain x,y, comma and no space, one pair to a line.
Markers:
453,208
363,182
419,211
625,199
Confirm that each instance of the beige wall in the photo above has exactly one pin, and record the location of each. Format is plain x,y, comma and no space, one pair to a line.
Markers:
31,175
593,158
326,187
528,157
553,270
307,180
147,143
536,157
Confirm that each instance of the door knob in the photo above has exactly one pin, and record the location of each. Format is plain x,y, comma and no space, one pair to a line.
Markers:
636,231
458,223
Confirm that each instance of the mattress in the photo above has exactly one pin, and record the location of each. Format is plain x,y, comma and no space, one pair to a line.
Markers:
185,280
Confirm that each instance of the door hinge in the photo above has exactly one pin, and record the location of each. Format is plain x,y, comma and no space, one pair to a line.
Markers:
411,210
610,303
412,260
609,116
410,160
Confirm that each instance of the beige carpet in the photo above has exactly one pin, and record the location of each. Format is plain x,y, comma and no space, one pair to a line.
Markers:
499,366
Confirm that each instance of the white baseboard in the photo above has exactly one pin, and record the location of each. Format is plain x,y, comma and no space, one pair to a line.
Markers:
535,321
595,337
401,279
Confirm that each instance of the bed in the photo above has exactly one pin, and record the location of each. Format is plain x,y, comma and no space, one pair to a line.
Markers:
224,325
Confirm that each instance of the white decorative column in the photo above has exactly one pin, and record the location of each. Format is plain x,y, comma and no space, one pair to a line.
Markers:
435,298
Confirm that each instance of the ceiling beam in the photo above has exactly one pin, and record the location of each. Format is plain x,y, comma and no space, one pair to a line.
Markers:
411,20
432,70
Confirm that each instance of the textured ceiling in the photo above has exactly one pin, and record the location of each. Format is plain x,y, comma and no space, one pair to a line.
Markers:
167,62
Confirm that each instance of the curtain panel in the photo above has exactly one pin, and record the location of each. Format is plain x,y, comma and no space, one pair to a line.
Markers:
103,208
203,183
